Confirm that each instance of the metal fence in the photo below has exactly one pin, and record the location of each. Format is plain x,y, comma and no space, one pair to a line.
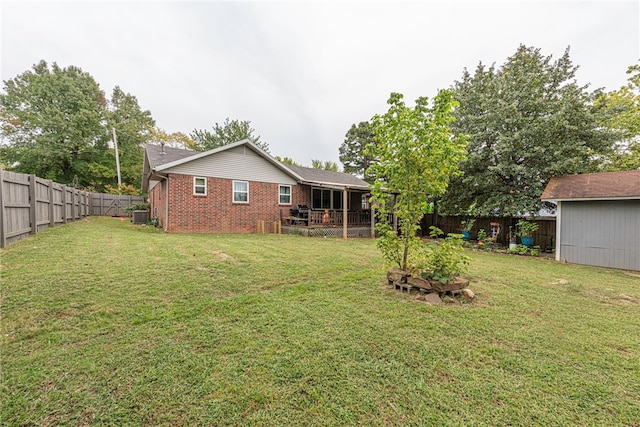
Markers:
29,204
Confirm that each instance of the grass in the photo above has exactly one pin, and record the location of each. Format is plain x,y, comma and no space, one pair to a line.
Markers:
106,323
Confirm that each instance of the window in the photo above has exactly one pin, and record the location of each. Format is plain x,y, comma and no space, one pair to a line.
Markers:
240,192
199,186
284,194
327,199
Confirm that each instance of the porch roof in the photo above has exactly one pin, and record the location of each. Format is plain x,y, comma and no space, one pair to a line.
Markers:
325,178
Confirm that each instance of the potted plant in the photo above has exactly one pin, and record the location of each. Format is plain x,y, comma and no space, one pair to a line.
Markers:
466,226
482,237
525,230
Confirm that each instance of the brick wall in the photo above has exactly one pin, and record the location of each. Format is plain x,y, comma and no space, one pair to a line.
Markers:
215,212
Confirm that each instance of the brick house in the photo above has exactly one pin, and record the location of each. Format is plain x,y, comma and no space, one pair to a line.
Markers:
237,187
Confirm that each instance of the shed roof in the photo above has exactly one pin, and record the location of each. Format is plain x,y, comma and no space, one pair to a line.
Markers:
594,186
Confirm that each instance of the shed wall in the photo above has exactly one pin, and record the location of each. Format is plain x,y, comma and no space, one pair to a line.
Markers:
601,233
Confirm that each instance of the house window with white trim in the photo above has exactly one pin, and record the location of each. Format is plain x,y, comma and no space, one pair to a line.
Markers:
199,186
240,192
284,194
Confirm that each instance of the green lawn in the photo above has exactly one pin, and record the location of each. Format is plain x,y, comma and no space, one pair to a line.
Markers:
106,323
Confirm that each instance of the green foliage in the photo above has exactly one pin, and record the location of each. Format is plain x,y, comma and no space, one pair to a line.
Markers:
528,121
467,225
482,235
287,161
444,259
58,125
229,132
622,114
524,250
51,118
327,165
526,228
353,153
417,154
137,207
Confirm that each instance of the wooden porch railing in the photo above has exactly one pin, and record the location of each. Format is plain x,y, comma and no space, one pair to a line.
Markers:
335,218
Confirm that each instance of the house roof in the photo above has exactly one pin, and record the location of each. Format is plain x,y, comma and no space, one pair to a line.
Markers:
594,186
157,161
328,178
157,156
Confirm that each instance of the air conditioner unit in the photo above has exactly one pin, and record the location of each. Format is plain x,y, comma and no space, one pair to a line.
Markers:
140,217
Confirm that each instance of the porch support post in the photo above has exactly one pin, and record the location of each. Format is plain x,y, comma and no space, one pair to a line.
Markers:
373,222
345,194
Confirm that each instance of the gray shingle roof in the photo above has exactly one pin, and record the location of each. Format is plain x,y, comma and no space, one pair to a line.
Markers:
604,185
319,176
157,158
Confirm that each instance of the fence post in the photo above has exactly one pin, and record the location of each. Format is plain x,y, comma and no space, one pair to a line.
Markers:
3,239
52,220
33,217
64,204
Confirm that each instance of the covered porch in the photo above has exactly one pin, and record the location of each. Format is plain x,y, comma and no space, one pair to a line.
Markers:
328,223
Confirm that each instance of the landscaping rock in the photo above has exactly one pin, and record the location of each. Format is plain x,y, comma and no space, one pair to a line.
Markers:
395,275
468,293
432,298
419,282
454,284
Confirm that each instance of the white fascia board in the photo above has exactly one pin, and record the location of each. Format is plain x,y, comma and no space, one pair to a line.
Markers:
591,199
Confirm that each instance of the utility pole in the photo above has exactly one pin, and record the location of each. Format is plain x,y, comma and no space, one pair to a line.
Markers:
115,145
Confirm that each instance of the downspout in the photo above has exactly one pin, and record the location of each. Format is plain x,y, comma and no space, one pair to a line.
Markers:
166,204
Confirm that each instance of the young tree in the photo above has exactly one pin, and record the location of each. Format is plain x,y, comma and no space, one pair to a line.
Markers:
52,120
622,109
327,165
528,121
417,155
230,131
352,151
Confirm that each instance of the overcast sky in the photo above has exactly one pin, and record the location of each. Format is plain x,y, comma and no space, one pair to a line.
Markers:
303,72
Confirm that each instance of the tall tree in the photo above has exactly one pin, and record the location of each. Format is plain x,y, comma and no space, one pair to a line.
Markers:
352,151
134,128
417,155
327,165
52,123
528,121
622,109
230,131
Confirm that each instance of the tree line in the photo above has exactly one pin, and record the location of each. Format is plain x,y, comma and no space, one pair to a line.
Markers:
526,121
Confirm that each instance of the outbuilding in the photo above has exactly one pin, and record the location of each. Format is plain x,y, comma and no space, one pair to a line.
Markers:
597,218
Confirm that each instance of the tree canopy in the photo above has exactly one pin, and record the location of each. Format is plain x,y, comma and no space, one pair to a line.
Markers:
622,109
228,132
528,121
58,124
52,121
352,151
417,155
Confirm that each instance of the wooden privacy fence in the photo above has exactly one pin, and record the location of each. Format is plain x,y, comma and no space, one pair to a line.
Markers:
112,204
29,204
544,237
